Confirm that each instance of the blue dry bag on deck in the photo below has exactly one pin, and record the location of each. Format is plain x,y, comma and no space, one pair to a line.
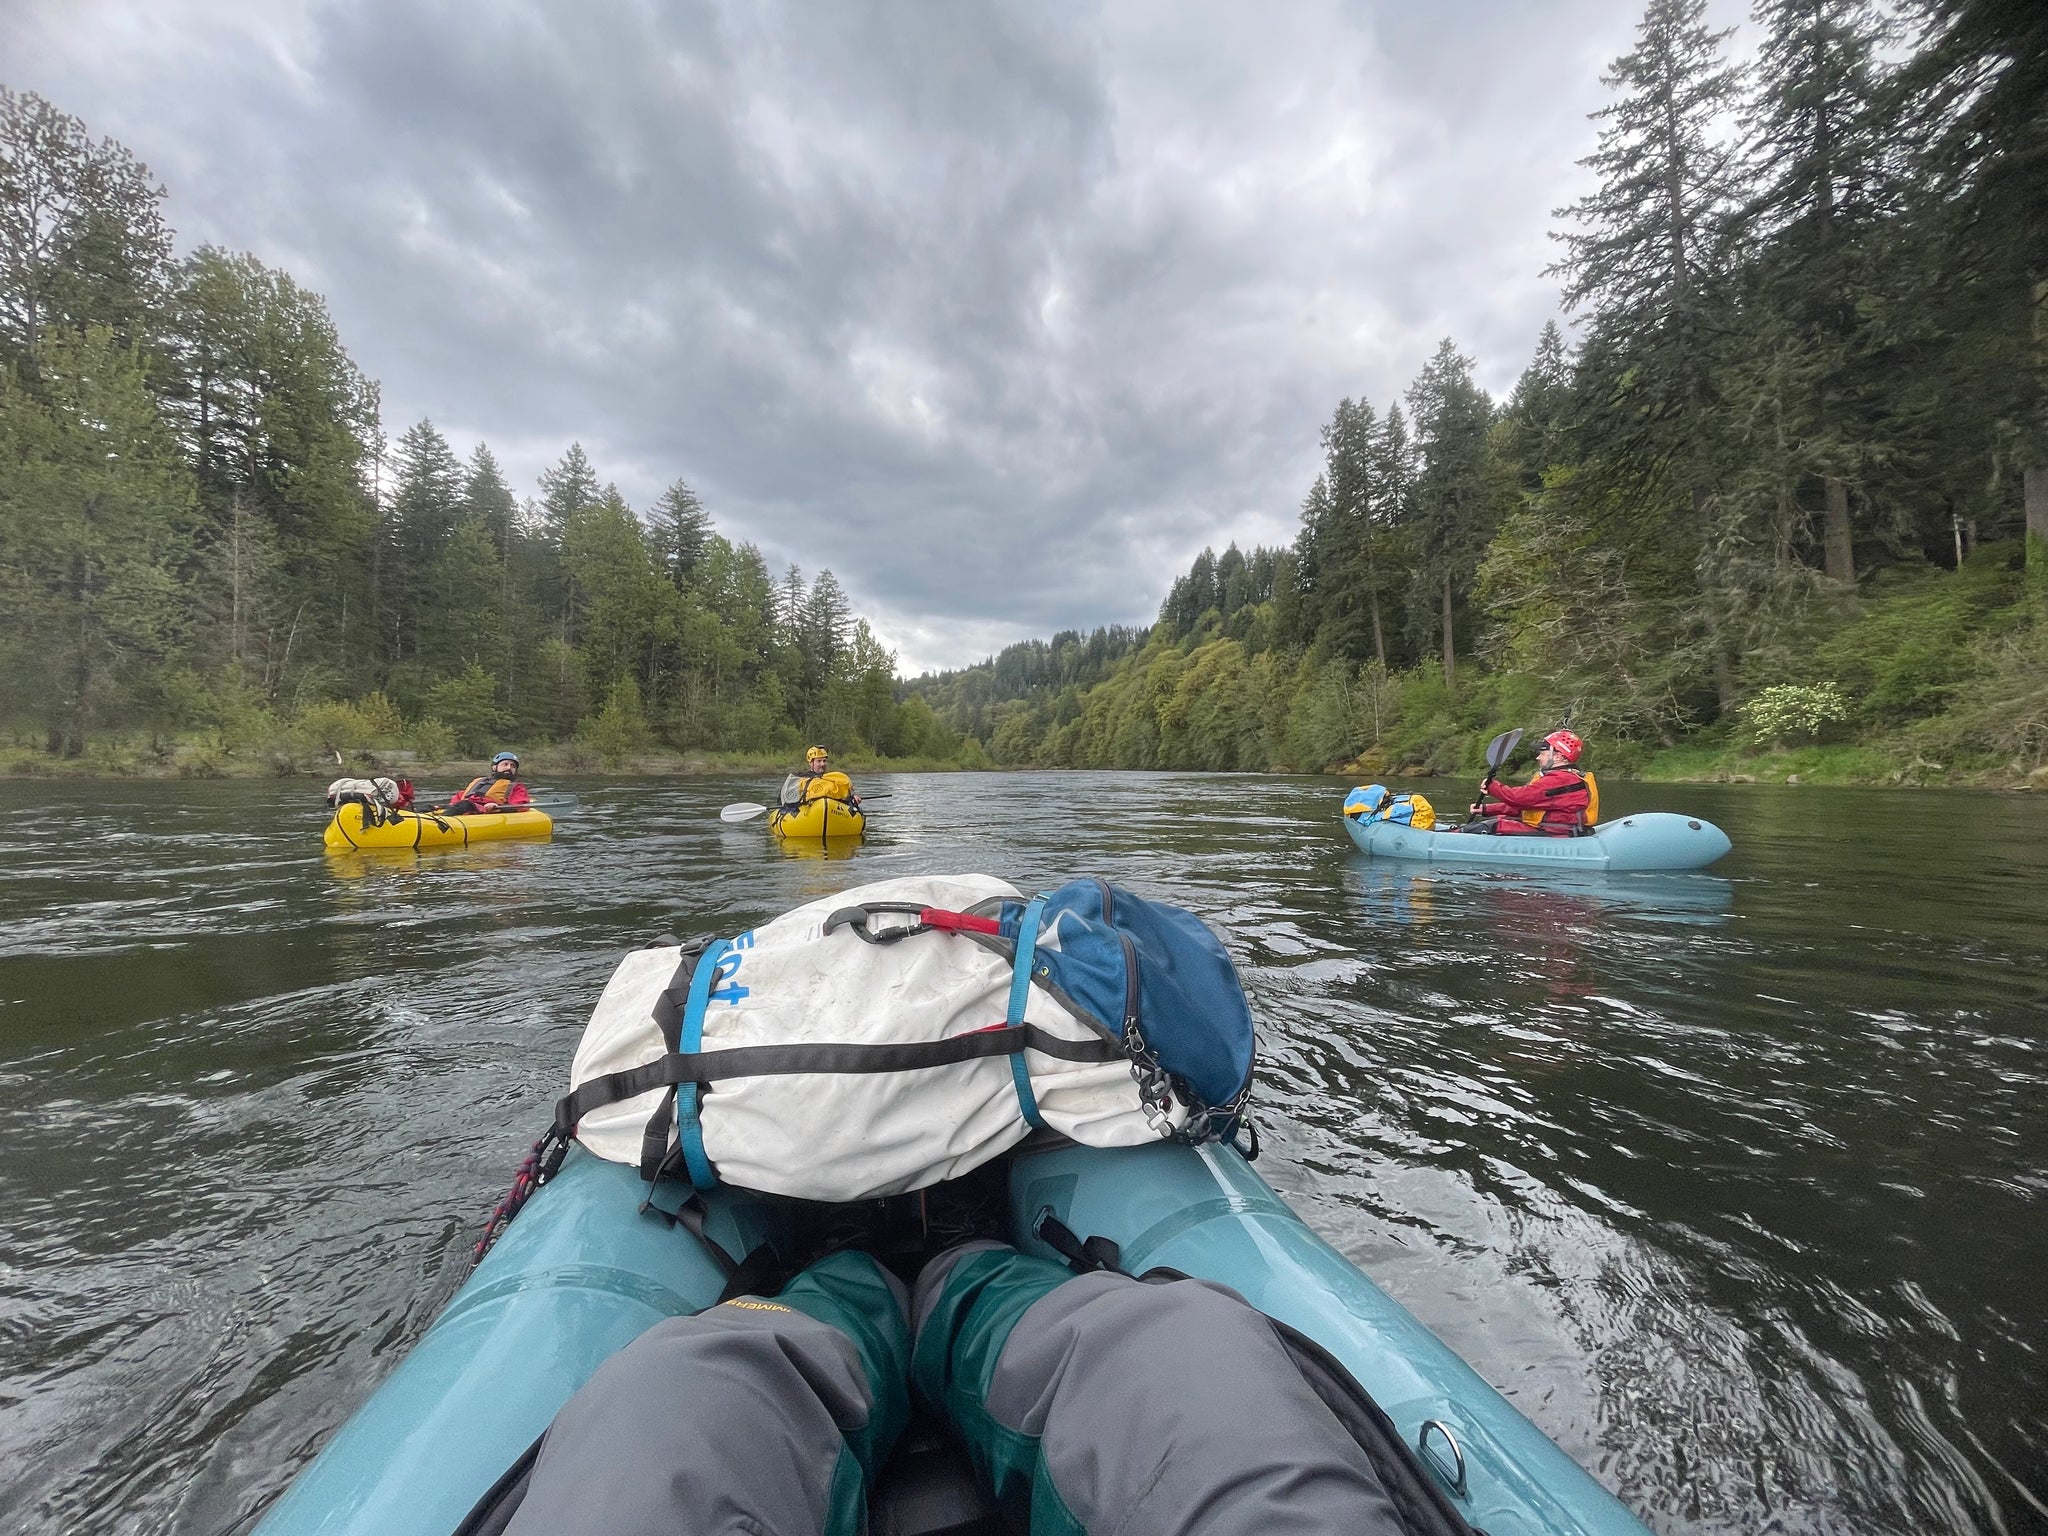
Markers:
1155,977
1375,802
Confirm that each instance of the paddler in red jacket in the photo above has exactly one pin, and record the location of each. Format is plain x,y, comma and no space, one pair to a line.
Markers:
1552,804
501,791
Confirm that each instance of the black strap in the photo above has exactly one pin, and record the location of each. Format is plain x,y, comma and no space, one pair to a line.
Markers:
1417,1495
492,1513
760,1273
784,1060
1083,1256
690,1216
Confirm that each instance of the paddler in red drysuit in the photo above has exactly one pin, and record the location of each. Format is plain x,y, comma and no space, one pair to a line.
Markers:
1552,804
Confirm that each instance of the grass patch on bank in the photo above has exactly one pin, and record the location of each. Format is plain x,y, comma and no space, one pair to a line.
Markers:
1846,764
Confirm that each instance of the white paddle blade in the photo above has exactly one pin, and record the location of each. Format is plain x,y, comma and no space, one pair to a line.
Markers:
742,810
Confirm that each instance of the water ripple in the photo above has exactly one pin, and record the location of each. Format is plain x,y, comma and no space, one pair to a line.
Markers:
1733,1182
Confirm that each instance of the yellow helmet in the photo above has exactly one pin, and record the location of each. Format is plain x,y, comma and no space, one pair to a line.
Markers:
815,755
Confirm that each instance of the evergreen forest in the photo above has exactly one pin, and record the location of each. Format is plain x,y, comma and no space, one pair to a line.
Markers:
213,556
1780,488
1782,503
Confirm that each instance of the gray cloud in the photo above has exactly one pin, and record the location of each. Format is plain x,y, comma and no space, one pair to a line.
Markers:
1000,312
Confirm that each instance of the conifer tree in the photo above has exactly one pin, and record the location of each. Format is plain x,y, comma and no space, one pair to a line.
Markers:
1453,514
681,531
1537,415
1979,93
565,490
95,528
278,423
487,499
617,596
82,237
1643,266
423,513
1817,180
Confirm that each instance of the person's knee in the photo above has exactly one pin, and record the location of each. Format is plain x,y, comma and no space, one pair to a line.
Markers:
1083,1395
775,1409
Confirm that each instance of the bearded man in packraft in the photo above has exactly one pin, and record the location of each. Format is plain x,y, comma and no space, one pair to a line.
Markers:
1561,800
500,790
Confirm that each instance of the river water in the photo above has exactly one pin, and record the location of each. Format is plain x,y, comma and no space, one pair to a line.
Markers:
1734,1182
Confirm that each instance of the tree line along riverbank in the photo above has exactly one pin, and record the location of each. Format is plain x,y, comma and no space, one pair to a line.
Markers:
214,555
1782,509
1782,500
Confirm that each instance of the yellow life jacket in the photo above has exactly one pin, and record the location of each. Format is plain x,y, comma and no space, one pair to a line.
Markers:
494,790
828,786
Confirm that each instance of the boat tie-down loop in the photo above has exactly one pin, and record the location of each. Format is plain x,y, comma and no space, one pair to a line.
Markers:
928,920
1452,1472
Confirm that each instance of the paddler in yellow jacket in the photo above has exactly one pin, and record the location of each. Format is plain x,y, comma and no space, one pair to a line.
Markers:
821,781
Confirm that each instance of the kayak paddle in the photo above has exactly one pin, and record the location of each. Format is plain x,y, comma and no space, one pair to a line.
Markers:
543,800
746,810
1499,749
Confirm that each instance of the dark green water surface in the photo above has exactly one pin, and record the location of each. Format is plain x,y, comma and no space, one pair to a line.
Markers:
1733,1182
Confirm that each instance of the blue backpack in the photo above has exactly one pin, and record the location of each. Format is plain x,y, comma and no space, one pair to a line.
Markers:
1156,978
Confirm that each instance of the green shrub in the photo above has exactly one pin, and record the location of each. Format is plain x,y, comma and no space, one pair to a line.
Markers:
466,705
618,730
345,726
1913,642
1324,725
1794,711
433,742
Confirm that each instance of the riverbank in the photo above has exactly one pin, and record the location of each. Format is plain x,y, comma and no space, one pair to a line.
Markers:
1837,765
1843,765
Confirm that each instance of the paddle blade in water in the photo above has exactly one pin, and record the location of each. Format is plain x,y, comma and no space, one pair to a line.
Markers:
741,810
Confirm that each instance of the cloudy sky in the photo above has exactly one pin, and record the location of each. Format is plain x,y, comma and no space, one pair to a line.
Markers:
999,311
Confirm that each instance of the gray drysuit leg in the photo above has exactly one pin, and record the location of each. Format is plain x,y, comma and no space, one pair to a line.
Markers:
753,1416
1098,1404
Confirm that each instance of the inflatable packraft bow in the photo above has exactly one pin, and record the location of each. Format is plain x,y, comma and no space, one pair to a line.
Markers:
907,1032
817,810
780,1053
357,826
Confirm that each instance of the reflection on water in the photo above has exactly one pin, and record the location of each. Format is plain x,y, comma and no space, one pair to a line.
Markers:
1731,1180
805,848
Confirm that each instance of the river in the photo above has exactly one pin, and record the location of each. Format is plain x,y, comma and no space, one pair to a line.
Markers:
1733,1182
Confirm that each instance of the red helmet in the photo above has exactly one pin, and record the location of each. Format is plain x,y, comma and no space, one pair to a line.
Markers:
1565,745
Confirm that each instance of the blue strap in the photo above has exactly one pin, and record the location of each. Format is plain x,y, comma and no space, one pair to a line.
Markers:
1020,995
689,1129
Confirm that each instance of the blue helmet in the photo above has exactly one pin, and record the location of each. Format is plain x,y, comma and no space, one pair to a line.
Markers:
505,757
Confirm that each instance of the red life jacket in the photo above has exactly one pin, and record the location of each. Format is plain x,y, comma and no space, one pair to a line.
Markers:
1553,803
